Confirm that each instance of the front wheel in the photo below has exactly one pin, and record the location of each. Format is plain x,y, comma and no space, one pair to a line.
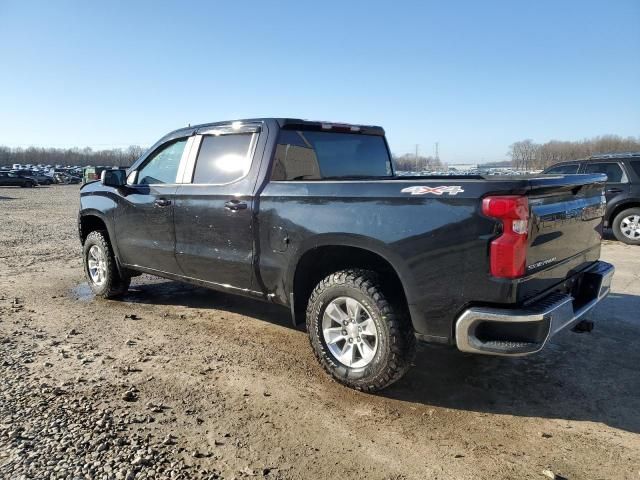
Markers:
626,226
360,336
100,267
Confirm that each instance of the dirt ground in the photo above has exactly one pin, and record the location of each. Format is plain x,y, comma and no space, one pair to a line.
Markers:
204,384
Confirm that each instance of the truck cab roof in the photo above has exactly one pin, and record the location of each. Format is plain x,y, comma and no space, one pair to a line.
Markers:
285,123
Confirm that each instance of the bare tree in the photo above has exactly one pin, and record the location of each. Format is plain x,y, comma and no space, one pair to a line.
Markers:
524,154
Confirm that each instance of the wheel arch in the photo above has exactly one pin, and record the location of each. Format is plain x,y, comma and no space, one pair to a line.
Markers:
326,254
90,220
621,206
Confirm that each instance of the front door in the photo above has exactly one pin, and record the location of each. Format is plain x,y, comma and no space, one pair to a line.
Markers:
144,223
214,210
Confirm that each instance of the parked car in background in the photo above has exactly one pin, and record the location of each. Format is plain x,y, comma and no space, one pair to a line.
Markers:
41,178
622,190
65,179
10,179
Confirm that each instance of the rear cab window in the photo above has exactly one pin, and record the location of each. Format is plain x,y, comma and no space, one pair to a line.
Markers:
318,155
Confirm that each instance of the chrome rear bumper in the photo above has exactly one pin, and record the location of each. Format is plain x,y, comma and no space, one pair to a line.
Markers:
498,331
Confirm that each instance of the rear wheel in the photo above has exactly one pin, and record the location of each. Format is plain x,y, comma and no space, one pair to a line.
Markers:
626,226
100,267
360,336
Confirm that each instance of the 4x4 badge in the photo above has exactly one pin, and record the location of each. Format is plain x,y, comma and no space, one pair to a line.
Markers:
419,190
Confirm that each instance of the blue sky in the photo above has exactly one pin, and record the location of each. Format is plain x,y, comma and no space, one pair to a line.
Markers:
474,76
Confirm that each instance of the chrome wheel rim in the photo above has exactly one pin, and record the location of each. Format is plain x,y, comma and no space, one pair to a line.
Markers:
97,264
349,332
630,227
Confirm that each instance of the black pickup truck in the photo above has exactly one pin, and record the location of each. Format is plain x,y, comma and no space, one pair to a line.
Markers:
311,216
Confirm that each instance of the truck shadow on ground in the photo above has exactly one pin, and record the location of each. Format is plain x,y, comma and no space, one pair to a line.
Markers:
578,376
165,292
589,376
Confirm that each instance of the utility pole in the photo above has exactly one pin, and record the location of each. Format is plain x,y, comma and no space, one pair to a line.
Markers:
417,156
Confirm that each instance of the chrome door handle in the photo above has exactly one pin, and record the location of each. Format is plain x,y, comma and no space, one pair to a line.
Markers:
235,205
162,202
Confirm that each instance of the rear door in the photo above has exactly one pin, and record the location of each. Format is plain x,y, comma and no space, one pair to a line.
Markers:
144,222
215,204
617,178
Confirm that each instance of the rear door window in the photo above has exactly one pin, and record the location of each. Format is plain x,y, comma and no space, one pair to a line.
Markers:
614,171
564,169
223,158
312,155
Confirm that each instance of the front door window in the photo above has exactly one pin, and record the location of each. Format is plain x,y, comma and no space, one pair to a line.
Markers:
163,165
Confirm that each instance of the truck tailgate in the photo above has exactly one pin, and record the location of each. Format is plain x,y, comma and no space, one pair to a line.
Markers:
565,225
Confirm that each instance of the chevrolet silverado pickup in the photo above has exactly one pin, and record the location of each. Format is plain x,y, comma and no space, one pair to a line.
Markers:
312,216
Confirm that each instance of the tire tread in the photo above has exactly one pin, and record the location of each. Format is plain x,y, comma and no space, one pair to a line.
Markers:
618,220
402,341
116,285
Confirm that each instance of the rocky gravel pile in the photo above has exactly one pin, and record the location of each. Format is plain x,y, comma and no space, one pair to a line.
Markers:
54,431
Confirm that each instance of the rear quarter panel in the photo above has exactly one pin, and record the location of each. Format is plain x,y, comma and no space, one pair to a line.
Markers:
436,243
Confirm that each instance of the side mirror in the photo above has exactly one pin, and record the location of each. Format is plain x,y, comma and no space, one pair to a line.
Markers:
114,178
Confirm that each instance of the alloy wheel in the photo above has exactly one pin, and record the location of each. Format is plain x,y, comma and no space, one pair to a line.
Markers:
349,332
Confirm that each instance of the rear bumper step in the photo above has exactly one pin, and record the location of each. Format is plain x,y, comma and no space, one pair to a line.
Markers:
517,332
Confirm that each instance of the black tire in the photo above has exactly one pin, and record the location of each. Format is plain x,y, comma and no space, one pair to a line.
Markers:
396,341
113,284
618,227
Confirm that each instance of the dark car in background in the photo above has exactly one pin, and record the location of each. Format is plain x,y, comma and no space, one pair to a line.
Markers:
622,190
41,178
65,178
10,179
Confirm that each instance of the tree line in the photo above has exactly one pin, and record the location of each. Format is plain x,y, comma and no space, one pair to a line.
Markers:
525,154
528,155
411,163
116,157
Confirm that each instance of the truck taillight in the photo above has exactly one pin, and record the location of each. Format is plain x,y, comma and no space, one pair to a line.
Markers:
508,252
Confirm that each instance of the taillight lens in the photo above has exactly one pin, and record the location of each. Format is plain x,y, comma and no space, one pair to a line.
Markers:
508,252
